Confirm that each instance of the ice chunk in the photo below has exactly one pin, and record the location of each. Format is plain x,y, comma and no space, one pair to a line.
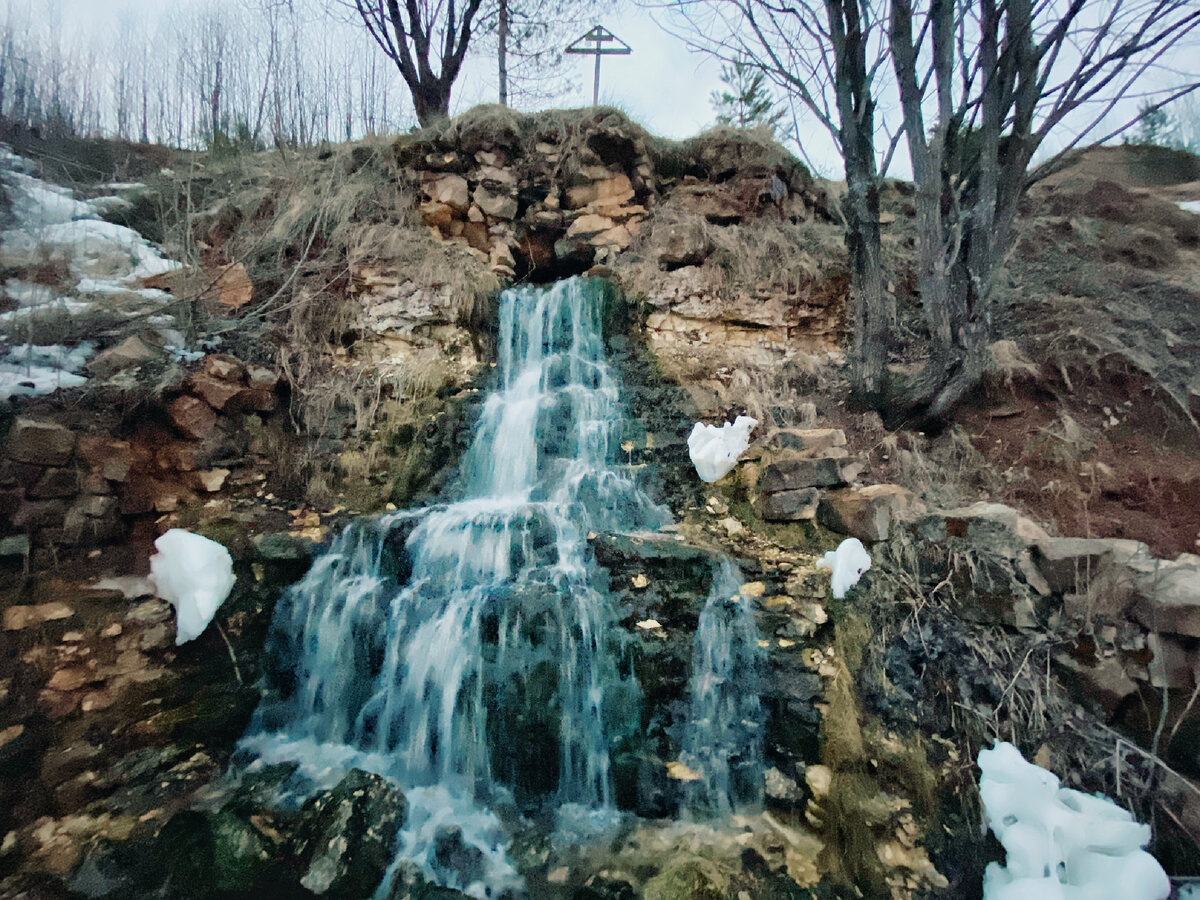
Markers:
715,451
847,563
194,575
1192,206
1061,843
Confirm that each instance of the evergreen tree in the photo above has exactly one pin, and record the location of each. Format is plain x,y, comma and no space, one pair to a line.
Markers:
746,102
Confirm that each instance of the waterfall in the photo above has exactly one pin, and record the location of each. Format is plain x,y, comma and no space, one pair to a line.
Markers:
467,651
723,735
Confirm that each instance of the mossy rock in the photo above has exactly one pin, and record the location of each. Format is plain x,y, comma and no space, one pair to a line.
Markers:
695,879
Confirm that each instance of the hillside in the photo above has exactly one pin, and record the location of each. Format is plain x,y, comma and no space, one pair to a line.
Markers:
314,340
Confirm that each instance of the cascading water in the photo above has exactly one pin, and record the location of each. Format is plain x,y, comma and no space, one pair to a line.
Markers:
723,736
468,651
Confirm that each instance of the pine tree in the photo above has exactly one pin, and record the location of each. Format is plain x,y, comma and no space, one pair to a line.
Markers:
747,102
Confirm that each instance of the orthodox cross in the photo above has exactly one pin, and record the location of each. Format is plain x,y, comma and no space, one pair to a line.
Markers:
599,36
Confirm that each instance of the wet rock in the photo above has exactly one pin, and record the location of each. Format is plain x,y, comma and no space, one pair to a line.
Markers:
41,443
866,513
795,473
791,506
687,880
349,836
215,391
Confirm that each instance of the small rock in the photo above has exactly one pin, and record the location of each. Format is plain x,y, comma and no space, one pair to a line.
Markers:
791,506
866,513
53,483
214,391
212,480
732,526
41,443
193,417
795,473
129,354
17,618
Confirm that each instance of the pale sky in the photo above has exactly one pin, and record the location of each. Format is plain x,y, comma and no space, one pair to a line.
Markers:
662,85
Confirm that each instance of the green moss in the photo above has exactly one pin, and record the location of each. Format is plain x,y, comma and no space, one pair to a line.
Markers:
694,879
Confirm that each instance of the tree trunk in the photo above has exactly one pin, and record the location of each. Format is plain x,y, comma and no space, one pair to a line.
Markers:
502,52
431,100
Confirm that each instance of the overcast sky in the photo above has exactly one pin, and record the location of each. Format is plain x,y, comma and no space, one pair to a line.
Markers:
662,85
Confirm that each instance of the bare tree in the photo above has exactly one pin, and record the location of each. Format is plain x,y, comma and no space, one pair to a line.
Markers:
982,85
416,36
826,55
979,85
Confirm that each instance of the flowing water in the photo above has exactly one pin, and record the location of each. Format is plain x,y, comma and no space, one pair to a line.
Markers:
468,651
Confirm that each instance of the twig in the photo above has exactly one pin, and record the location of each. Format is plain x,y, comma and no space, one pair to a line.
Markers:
232,656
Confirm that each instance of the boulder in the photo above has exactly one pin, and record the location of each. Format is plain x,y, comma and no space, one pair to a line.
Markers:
966,522
590,223
1175,662
866,513
1069,565
438,215
348,836
1167,595
41,443
791,506
794,473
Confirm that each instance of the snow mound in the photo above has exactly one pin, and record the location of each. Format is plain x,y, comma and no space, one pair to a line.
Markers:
194,575
715,451
847,563
1061,843
34,370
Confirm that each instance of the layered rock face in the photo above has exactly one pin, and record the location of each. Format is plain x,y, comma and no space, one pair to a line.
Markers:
718,235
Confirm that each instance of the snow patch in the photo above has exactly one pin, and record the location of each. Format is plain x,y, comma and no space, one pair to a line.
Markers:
1192,206
1061,843
847,564
715,451
33,370
194,575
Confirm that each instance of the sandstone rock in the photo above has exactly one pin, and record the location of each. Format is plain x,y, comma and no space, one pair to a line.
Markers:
69,679
794,473
617,237
682,245
215,392
231,287
112,459
589,223
477,235
41,443
130,353
494,176
55,482
451,190
256,398
496,204
1070,564
437,215
212,480
193,417
1104,683
1168,595
791,506
17,618
866,513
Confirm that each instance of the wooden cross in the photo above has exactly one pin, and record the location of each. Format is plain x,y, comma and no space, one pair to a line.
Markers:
599,35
